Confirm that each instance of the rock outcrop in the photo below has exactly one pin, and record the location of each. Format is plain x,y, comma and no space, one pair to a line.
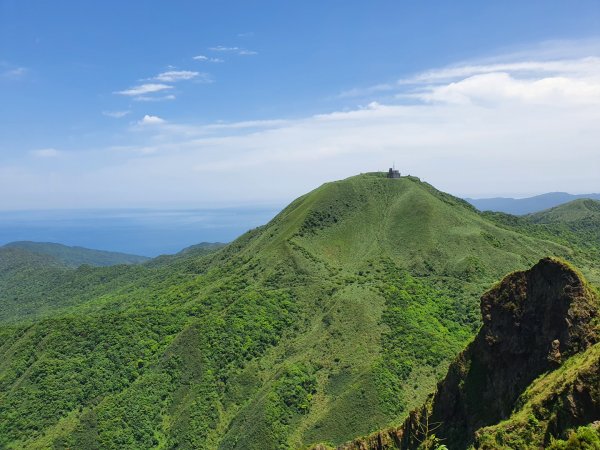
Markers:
533,321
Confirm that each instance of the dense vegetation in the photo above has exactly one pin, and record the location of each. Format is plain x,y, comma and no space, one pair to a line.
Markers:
331,321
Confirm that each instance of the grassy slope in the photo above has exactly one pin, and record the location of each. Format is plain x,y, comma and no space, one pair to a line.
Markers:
575,224
331,321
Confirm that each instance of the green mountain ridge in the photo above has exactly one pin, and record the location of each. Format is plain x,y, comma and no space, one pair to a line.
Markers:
332,321
76,256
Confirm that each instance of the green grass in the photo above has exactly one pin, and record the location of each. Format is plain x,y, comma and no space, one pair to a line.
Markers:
329,322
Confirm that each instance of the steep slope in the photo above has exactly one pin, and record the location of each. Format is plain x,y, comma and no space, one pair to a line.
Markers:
76,256
572,212
333,320
521,206
540,323
565,399
575,224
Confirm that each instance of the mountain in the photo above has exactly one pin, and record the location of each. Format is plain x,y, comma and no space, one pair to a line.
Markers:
521,206
531,374
76,256
575,224
333,320
575,211
202,248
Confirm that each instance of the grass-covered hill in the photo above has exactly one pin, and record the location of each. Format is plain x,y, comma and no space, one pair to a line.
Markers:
76,256
331,321
574,224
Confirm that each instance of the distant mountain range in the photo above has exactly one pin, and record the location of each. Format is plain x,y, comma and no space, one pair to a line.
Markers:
75,256
520,206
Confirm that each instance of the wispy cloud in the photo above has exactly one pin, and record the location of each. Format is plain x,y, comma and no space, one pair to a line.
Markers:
222,48
142,89
236,50
172,76
115,114
147,92
207,59
582,66
519,66
46,153
155,98
151,120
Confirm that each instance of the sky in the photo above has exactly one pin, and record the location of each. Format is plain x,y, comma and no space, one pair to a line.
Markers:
198,104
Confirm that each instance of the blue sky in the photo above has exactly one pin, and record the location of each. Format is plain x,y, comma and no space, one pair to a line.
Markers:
198,104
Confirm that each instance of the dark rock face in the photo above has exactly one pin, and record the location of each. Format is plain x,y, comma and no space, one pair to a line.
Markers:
532,321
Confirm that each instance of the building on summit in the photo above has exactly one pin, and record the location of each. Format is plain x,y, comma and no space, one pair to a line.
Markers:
393,173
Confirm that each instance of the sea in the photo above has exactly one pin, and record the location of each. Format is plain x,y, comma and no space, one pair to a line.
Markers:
146,232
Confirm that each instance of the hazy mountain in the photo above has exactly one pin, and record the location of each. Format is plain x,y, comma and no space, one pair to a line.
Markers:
520,206
77,256
333,320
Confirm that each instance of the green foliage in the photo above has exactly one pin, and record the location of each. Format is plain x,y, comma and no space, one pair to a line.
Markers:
584,438
296,388
424,329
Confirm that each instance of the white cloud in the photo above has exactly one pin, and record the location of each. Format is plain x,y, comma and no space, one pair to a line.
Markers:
142,89
493,88
177,75
207,59
46,153
573,66
525,69
151,120
238,50
159,98
115,114
222,48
